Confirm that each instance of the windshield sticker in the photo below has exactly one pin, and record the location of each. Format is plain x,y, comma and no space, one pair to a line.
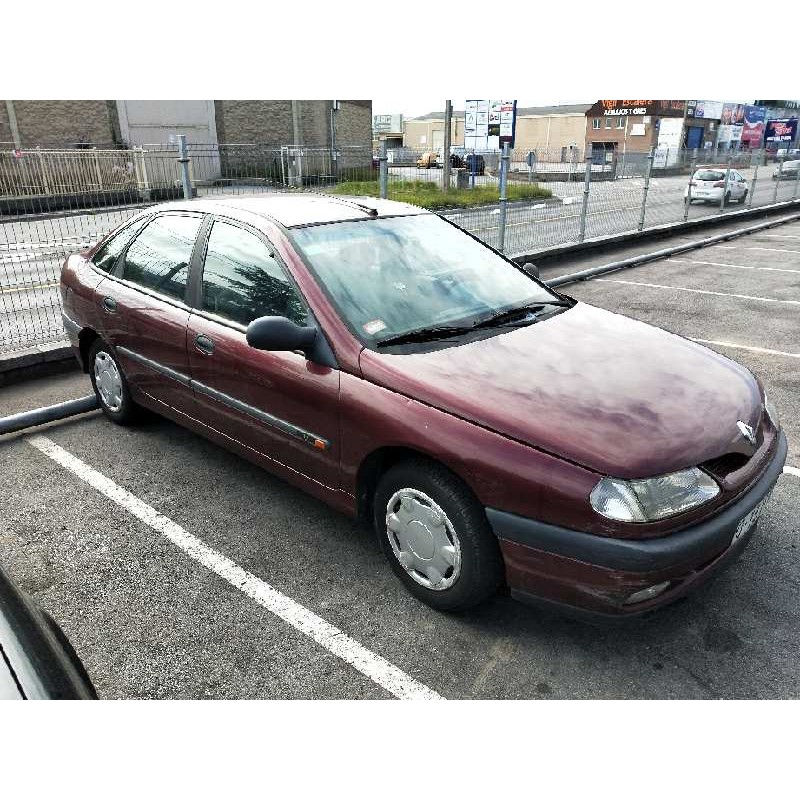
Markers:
373,327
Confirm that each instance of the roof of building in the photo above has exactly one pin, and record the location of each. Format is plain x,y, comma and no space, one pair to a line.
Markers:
526,111
292,210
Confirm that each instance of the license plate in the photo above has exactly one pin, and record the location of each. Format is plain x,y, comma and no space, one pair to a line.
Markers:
748,520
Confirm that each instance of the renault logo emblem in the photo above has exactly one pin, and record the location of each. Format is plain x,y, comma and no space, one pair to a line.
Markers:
746,431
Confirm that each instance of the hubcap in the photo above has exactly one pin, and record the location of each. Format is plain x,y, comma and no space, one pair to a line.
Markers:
108,381
423,539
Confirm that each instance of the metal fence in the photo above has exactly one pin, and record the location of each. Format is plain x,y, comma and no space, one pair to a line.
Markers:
53,203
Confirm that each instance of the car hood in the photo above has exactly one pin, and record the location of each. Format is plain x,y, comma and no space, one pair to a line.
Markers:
615,395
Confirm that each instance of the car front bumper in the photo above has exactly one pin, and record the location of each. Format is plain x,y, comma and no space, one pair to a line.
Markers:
595,575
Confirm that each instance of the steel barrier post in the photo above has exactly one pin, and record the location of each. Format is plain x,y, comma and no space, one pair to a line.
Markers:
383,171
753,184
503,201
692,167
651,156
727,180
183,160
778,180
587,180
796,181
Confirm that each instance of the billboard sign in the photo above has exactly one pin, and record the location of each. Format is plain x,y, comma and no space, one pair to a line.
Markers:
753,128
637,108
780,131
732,114
704,109
489,124
387,123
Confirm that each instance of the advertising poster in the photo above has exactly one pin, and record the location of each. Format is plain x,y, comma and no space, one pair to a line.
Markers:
732,114
704,109
488,124
753,129
780,132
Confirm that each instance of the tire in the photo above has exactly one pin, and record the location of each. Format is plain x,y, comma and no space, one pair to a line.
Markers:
114,396
417,492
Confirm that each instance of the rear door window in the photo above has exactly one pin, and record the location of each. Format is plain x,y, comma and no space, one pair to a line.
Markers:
106,257
159,257
242,281
710,175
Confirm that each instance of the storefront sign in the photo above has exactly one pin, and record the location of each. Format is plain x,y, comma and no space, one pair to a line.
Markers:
704,109
489,124
637,108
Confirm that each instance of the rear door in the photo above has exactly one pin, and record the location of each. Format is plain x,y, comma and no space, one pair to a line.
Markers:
279,404
147,299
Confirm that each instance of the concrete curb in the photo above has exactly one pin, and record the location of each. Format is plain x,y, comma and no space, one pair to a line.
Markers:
34,362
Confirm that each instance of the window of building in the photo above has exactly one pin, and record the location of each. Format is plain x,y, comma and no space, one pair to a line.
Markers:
620,122
159,257
608,122
595,123
242,281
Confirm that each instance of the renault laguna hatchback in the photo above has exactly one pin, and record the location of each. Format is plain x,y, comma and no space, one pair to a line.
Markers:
495,433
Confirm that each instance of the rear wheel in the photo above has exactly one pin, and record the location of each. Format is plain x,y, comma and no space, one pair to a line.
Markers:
110,385
436,537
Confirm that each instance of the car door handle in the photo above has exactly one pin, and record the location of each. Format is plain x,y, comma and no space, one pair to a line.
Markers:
204,344
109,304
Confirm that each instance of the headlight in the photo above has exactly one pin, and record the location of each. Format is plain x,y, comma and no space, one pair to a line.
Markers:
772,412
652,499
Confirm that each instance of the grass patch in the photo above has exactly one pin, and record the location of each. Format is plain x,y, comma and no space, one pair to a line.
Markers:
429,195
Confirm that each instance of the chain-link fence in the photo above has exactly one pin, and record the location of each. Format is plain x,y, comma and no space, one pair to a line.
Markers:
53,203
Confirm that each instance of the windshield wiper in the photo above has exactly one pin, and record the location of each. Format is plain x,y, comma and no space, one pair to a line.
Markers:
520,311
430,334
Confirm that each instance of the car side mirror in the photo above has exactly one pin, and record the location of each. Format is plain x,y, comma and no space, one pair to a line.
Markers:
279,333
531,269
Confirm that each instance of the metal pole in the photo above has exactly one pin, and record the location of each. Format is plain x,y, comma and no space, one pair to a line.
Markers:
448,117
383,171
587,180
334,153
183,160
796,181
753,184
692,167
650,159
503,201
778,180
727,179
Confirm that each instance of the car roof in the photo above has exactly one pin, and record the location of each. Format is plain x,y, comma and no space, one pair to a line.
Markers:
297,209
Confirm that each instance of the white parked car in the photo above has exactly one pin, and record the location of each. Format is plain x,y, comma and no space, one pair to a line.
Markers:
708,185
788,171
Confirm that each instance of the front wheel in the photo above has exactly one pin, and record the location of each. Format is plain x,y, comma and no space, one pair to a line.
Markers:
110,385
436,537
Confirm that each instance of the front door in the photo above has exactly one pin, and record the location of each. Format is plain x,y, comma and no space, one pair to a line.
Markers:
279,404
147,297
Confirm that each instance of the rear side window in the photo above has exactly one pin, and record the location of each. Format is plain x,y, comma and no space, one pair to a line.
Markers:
242,281
159,257
710,175
106,257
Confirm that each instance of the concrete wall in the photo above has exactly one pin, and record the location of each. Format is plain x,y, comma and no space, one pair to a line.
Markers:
144,122
60,123
432,130
549,134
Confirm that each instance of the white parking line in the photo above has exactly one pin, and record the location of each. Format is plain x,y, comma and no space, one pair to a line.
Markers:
376,668
792,471
701,291
746,347
732,266
778,236
768,249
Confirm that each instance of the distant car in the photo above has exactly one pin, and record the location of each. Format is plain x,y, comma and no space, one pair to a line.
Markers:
788,171
708,185
785,154
428,160
37,661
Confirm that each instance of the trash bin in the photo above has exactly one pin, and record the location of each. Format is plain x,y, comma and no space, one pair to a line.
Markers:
462,178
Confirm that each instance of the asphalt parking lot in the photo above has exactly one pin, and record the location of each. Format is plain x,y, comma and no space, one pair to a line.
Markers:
149,620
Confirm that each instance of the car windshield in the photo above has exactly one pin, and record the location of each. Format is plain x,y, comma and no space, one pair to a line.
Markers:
709,175
394,275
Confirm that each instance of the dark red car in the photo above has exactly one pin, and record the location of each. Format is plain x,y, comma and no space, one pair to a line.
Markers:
493,431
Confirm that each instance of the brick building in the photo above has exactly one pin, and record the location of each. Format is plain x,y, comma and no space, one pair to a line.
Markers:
114,123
